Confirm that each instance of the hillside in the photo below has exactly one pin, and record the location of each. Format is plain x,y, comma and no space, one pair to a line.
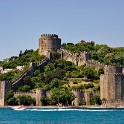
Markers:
60,76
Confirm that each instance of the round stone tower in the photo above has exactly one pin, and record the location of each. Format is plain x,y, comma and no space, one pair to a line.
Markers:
49,43
112,83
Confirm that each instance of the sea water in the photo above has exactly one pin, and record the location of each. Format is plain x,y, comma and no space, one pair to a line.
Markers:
62,116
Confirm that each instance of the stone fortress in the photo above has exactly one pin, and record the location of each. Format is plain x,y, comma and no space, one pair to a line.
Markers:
111,82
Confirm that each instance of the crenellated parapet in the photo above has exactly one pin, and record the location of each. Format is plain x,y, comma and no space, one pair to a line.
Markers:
108,69
95,64
32,94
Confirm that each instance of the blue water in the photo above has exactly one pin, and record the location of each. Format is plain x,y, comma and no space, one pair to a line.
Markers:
62,116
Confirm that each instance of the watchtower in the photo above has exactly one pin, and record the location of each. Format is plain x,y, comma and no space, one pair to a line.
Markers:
111,83
49,43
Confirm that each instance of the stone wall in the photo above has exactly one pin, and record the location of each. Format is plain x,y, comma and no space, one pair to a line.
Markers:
37,95
28,72
77,58
81,58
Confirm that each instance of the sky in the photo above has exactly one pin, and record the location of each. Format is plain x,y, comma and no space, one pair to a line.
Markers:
23,21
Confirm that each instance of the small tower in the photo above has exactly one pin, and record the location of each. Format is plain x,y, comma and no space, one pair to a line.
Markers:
39,94
49,43
112,83
5,86
79,97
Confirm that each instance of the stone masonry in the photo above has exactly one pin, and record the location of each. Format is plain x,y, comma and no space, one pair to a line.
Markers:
112,84
49,43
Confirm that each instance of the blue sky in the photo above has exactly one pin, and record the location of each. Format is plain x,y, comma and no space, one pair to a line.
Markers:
23,21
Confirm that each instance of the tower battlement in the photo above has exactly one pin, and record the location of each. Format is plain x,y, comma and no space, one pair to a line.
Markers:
108,69
49,36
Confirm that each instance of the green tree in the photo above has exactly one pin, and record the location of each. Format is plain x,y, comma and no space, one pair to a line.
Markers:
45,101
25,100
62,95
96,100
24,88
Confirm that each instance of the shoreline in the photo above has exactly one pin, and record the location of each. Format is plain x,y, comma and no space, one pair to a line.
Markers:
67,107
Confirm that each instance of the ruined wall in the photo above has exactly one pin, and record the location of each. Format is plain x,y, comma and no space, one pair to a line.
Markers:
95,64
49,42
81,58
77,58
37,95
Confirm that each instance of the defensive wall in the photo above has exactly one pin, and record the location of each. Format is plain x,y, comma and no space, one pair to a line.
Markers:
5,86
81,58
37,95
28,72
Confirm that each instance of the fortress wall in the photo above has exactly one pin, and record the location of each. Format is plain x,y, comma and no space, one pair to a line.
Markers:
32,94
19,81
37,95
28,72
77,58
94,64
80,59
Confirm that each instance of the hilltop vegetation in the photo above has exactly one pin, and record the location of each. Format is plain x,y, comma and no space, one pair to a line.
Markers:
101,53
23,59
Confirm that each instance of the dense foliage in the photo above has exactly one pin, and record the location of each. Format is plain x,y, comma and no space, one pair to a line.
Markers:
23,60
101,53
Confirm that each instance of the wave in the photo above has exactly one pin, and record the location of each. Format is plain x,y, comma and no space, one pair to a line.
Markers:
90,110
